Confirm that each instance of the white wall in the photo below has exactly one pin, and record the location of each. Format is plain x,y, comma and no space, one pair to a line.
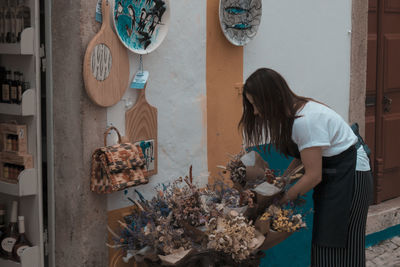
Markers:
308,42
177,89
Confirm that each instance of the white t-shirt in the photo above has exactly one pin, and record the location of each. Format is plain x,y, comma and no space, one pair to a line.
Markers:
323,127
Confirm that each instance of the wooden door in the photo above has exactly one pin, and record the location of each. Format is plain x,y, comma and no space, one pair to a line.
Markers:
383,96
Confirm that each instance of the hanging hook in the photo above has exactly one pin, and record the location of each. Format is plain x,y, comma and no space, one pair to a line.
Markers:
141,64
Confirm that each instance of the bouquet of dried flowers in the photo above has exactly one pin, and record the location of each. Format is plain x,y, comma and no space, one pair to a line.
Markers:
234,235
182,220
283,220
236,169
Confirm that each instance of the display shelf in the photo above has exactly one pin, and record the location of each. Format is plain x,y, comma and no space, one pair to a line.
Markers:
29,258
25,47
26,186
26,108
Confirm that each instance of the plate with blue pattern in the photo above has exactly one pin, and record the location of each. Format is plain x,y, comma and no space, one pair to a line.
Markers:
240,19
141,25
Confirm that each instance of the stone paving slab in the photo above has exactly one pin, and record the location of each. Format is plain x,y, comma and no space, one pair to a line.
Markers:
384,254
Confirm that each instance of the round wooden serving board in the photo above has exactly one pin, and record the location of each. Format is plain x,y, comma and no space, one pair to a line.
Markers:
106,64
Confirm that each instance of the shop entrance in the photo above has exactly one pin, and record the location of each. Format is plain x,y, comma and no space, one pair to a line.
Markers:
382,119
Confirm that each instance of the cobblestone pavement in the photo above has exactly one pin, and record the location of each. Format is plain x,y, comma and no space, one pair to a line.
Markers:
384,254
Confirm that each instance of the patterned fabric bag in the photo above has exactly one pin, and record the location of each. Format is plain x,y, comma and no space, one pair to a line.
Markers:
117,167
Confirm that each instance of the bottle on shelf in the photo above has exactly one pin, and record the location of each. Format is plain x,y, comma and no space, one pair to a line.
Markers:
25,85
22,241
10,23
5,88
2,223
14,88
19,20
3,74
2,23
2,219
19,88
23,18
11,234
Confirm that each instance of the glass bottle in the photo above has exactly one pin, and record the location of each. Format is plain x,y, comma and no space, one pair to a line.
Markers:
2,223
22,241
14,88
19,88
3,75
5,88
25,85
2,22
26,14
2,219
10,237
19,19
10,23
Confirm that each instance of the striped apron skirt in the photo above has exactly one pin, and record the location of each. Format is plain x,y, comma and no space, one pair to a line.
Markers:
341,206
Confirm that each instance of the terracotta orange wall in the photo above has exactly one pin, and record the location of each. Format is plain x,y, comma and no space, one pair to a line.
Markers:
224,77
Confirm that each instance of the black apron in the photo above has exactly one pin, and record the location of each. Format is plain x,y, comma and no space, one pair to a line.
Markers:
333,197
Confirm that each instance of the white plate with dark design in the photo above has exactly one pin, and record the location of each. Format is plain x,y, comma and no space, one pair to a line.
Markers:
239,20
141,25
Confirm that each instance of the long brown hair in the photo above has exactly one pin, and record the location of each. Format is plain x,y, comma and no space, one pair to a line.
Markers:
277,105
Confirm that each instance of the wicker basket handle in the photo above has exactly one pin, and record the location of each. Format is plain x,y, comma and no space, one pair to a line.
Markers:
108,131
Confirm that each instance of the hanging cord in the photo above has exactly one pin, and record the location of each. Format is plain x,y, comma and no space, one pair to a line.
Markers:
140,64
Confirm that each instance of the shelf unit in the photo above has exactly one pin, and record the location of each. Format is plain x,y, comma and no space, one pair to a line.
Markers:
25,57
26,108
29,258
27,185
25,47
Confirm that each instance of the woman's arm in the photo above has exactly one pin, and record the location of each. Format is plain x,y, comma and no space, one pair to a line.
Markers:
312,161
295,162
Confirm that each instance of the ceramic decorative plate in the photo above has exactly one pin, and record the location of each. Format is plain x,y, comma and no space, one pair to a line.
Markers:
240,19
141,25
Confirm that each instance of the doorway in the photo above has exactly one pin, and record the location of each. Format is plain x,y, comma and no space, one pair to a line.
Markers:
382,118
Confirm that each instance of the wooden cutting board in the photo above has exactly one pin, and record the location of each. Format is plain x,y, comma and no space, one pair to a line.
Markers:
106,64
141,128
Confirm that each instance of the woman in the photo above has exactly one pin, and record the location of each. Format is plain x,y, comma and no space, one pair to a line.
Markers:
338,172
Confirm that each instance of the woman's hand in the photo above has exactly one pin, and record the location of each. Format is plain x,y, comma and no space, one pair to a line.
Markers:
284,199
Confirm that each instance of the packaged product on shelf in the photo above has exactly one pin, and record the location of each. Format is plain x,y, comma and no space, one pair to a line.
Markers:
14,137
13,164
